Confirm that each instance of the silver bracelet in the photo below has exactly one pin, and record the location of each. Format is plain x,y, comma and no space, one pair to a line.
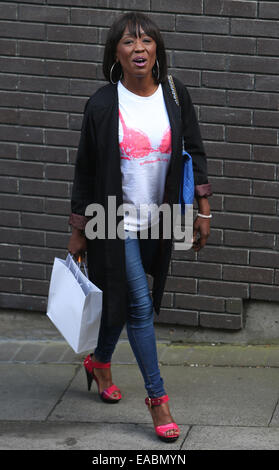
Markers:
204,216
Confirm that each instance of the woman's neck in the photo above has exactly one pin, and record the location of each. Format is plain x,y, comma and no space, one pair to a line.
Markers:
143,86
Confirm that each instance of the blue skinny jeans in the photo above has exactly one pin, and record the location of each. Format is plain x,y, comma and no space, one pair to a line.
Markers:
140,328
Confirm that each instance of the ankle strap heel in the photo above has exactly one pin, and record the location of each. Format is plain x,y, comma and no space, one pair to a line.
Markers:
166,432
156,401
100,365
107,395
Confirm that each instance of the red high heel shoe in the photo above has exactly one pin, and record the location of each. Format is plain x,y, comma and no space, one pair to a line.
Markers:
107,394
161,430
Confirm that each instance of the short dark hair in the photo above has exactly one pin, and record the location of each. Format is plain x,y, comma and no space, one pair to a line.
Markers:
134,21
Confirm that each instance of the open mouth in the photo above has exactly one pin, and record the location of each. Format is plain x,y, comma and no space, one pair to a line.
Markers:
140,61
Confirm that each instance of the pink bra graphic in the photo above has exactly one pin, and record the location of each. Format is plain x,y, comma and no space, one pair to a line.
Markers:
136,144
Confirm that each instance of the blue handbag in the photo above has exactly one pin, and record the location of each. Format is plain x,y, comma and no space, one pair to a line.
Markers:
187,187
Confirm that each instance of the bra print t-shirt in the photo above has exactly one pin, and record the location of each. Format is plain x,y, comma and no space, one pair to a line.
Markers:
145,151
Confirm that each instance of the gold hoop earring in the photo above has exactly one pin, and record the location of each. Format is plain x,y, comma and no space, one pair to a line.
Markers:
158,70
110,74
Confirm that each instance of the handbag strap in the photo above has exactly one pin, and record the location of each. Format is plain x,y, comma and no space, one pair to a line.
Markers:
175,97
173,89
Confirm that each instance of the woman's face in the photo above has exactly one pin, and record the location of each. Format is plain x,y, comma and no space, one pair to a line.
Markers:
137,55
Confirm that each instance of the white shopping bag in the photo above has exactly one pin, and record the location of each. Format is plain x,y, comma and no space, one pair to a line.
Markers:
74,305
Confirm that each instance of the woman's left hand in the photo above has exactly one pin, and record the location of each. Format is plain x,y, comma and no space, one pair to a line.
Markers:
201,226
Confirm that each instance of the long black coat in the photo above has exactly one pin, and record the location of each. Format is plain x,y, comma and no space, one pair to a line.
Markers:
98,175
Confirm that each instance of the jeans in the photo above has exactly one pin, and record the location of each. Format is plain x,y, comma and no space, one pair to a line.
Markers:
140,327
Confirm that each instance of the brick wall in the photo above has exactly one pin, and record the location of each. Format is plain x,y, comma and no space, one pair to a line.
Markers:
226,52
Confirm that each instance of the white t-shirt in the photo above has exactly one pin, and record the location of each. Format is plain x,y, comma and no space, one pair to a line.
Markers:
145,151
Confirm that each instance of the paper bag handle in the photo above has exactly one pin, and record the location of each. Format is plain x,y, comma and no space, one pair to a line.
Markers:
79,263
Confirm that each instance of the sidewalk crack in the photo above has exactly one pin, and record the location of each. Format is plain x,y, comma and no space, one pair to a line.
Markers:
63,393
187,434
272,414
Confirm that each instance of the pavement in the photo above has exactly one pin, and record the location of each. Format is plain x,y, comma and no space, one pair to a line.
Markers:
223,394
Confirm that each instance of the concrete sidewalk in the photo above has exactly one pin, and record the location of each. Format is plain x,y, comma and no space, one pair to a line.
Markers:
222,396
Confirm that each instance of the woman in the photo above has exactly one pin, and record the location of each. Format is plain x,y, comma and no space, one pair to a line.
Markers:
131,148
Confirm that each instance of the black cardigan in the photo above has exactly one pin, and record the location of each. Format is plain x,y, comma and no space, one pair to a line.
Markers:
85,170
98,175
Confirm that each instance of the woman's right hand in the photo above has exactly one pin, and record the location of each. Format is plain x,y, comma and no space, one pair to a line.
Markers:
77,245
